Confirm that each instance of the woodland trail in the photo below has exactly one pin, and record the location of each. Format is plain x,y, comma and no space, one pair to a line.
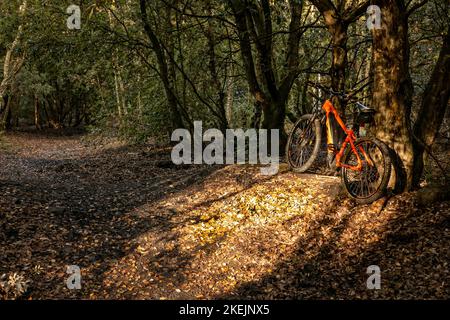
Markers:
142,228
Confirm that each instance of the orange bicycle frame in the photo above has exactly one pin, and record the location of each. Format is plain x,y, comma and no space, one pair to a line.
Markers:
349,139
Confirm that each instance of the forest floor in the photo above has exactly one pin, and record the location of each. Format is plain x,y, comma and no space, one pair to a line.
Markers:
142,228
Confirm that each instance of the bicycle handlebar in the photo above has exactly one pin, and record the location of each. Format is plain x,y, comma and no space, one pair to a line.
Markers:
342,95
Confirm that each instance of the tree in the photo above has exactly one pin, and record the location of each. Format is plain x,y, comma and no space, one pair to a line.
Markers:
11,66
254,26
337,17
163,69
393,88
393,93
433,107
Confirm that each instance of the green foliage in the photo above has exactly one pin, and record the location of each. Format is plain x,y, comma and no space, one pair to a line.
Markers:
107,75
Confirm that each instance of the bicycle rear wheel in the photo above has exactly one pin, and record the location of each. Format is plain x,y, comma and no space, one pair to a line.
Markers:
371,182
303,143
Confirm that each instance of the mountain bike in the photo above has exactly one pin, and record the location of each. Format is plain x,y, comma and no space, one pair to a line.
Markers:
364,163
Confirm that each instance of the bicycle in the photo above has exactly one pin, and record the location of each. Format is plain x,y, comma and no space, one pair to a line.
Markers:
364,163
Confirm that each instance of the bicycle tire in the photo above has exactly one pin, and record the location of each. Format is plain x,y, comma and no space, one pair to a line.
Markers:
382,180
316,130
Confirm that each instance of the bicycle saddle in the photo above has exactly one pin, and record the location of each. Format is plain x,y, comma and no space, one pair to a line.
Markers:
363,108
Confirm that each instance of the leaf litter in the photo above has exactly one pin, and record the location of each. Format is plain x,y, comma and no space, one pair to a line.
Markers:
142,228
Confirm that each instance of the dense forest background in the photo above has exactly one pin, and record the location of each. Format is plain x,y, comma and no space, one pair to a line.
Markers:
140,69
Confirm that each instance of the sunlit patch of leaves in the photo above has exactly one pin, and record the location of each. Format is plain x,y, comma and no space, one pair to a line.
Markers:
263,204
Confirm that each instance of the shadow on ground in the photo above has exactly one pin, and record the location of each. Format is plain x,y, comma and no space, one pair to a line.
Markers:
407,242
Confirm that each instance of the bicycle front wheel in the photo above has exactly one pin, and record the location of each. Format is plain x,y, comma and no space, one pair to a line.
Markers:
303,143
371,182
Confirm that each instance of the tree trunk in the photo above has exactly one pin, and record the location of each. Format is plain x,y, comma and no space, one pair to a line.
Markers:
274,116
118,82
337,19
5,119
117,91
214,76
339,62
303,107
392,90
37,113
172,101
230,99
432,110
11,66
254,27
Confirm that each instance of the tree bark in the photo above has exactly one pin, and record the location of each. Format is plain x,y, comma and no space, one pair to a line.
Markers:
11,66
118,82
37,113
392,89
163,69
337,19
5,115
339,60
432,110
254,26
230,98
214,76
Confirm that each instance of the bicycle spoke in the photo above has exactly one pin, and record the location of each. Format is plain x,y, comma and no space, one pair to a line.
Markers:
302,144
365,183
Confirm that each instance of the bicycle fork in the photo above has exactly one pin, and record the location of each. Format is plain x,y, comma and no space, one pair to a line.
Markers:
349,140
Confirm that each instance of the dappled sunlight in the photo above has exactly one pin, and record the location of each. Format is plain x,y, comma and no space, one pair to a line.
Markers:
139,230
331,261
212,248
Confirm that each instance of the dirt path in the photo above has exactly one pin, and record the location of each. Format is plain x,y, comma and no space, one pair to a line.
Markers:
139,227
